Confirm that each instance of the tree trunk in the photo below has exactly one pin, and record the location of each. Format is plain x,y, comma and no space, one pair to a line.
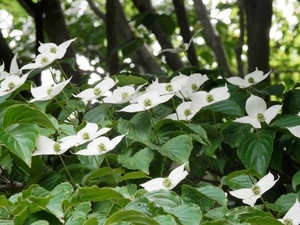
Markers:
6,54
259,15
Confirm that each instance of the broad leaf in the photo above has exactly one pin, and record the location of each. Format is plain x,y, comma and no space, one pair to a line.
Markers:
255,150
187,214
131,216
20,140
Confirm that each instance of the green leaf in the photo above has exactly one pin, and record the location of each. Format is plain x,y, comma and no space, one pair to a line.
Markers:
139,161
177,149
258,220
187,214
255,150
101,174
132,216
129,79
97,114
20,140
219,222
138,128
227,107
79,215
205,196
166,23
238,179
130,46
132,175
24,114
165,199
286,121
296,181
291,103
165,220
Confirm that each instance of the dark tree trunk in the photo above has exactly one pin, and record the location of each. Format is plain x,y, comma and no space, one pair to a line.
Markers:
259,15
6,54
185,32
111,37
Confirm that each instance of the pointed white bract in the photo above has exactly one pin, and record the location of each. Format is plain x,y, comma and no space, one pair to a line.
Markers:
175,85
46,146
166,183
99,90
203,98
249,80
147,101
86,134
257,111
184,111
250,195
45,92
100,145
292,217
49,52
295,130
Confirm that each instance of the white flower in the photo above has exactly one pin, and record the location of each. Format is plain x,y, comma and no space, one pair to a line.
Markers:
176,84
292,217
98,91
203,98
11,83
147,101
250,195
184,111
57,51
295,130
86,134
100,145
13,70
46,146
191,85
120,95
166,183
41,61
49,53
46,92
250,79
257,111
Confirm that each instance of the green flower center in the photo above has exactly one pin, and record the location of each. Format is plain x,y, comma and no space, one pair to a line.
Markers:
194,87
53,50
288,221
56,147
11,85
44,60
260,117
167,183
251,80
169,87
125,95
147,102
97,91
49,91
187,112
85,136
102,147
256,189
209,98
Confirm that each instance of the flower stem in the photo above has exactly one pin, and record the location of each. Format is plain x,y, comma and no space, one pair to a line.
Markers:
71,178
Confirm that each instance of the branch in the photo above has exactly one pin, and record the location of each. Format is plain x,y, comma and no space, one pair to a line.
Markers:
185,32
173,60
212,38
239,48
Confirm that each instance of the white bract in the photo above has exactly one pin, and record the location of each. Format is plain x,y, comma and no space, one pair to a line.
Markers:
257,111
100,145
295,130
250,195
249,80
166,183
120,95
46,92
49,53
46,146
86,134
203,98
11,83
173,86
13,70
99,90
292,217
184,111
191,85
147,101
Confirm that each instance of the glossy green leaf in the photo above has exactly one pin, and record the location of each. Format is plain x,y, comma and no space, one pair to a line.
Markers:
296,181
132,175
226,107
165,220
129,79
132,216
257,220
20,140
205,196
28,115
218,222
286,121
187,214
165,199
79,215
139,161
255,150
177,149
